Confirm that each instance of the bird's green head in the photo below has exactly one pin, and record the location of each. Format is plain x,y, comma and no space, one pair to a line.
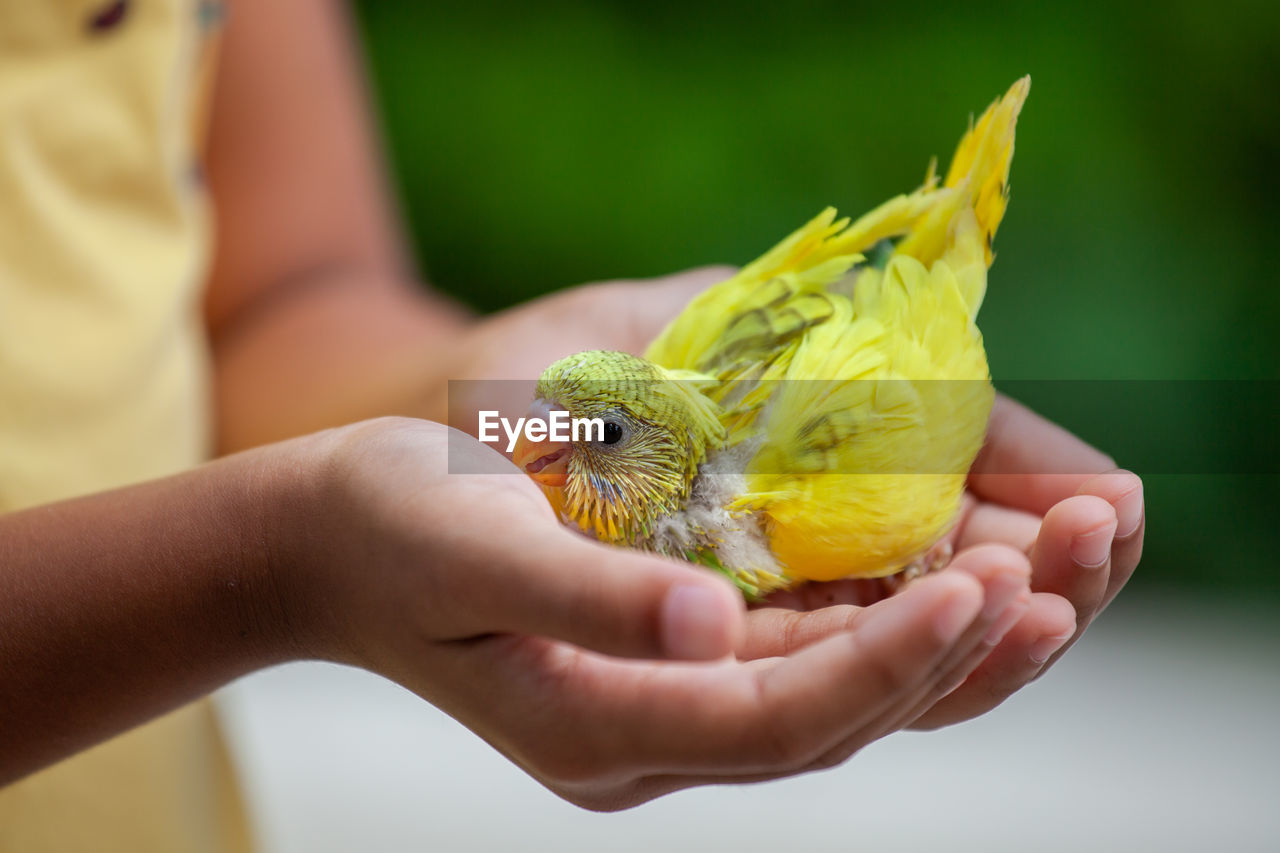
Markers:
641,435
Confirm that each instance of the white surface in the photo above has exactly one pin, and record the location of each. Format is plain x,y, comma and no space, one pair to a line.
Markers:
1157,733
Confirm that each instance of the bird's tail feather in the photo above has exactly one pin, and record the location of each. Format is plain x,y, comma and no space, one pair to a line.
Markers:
926,225
978,178
932,222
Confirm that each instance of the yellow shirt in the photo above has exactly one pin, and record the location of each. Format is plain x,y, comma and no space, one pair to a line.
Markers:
103,363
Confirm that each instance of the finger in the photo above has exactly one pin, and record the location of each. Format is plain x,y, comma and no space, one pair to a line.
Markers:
1123,490
1073,551
897,646
1030,463
1048,623
583,722
856,734
1004,574
790,620
818,594
609,600
955,674
1125,554
1072,556
988,522
776,720
779,631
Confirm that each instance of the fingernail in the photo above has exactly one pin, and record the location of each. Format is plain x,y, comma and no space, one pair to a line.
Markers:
1091,550
1043,648
1128,513
1007,620
693,624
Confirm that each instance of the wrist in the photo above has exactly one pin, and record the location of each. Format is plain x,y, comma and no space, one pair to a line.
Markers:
287,537
311,534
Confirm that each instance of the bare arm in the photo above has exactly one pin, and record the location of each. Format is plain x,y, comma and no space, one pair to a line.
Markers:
314,316
312,308
120,606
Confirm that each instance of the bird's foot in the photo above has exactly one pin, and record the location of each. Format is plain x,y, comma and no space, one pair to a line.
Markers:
932,560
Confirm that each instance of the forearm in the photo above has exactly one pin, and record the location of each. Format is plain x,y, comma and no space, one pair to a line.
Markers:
331,349
123,605
337,348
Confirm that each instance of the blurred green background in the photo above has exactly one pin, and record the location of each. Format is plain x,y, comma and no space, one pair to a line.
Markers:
542,145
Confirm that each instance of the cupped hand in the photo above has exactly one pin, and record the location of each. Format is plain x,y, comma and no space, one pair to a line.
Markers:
1042,494
1036,490
1081,521
607,674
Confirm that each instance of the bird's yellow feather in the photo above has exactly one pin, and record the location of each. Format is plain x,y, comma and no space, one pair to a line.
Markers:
855,391
872,384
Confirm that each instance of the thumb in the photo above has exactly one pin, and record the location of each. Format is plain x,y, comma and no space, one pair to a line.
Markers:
611,600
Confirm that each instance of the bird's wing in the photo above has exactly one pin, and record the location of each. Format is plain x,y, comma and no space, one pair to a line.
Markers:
769,303
744,331
894,390
920,224
898,354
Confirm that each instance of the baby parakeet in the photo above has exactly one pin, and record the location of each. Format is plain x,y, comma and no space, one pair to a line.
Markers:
815,416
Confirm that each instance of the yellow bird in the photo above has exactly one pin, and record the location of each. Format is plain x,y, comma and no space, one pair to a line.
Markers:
813,417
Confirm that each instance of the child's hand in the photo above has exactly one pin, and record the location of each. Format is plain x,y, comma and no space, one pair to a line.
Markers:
465,589
1038,488
1042,491
1016,498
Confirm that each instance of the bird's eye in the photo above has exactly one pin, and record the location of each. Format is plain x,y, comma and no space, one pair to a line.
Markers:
612,433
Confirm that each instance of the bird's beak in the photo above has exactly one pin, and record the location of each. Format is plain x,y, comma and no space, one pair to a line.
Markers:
546,461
